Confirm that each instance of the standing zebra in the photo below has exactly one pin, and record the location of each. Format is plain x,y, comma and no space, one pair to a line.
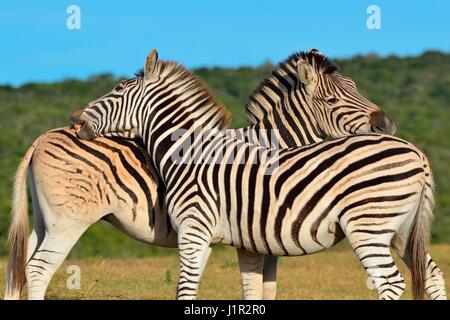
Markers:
374,189
80,170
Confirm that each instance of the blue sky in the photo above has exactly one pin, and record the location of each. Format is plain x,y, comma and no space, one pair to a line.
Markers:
115,36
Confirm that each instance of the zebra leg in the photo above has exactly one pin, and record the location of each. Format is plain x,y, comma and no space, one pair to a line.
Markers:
47,259
205,260
34,240
434,282
194,250
375,256
270,278
251,267
434,279
37,235
49,255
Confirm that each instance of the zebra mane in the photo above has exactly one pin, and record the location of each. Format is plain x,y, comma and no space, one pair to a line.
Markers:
180,72
285,74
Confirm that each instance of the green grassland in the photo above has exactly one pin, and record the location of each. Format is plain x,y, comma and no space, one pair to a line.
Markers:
414,91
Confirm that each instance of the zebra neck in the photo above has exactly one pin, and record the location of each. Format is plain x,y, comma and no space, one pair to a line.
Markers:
178,140
293,130
257,135
277,132
277,106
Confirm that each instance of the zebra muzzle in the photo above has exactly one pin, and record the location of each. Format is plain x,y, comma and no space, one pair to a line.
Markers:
85,131
381,123
82,127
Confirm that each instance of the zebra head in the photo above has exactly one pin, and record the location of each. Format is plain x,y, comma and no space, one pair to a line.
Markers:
338,107
115,113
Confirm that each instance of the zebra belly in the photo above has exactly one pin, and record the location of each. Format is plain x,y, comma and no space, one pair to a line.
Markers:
272,239
141,227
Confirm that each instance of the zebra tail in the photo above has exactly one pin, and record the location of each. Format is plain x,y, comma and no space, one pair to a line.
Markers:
419,239
19,229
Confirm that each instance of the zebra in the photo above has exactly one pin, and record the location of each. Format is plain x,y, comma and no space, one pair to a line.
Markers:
57,163
374,189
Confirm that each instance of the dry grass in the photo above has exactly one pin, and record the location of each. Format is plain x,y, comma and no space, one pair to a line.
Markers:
333,274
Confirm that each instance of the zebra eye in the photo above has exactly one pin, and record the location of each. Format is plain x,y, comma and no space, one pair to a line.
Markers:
332,100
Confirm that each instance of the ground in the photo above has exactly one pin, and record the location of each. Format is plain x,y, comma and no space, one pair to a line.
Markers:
333,274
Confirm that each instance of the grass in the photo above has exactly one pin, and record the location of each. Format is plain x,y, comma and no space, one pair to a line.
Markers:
333,274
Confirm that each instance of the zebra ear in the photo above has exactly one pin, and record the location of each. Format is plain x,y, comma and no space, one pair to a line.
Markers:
306,72
150,64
